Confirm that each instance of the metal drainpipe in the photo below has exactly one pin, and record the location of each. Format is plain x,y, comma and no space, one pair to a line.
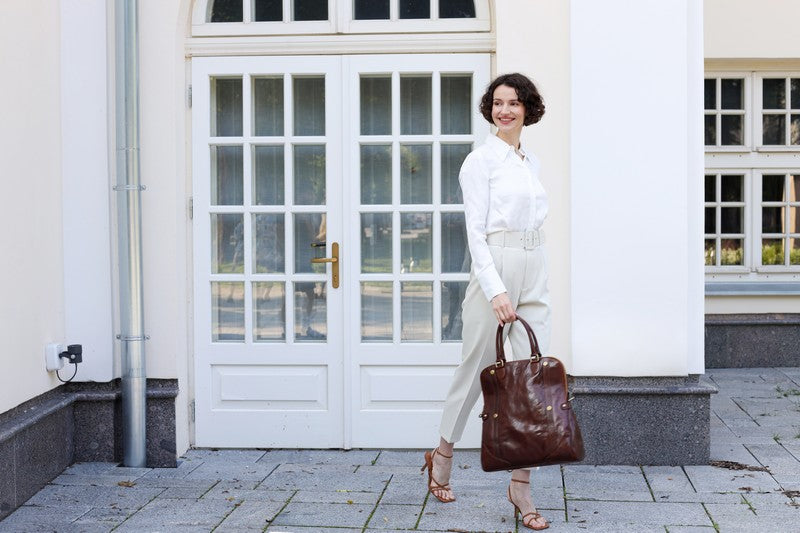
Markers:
128,192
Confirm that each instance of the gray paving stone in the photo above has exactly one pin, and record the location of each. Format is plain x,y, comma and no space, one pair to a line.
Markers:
107,516
775,457
667,479
770,502
714,479
224,456
315,529
324,514
252,515
403,458
457,516
388,516
346,497
234,471
348,457
178,515
93,480
697,497
42,518
691,529
325,481
636,514
94,496
730,451
227,490
94,469
603,483
184,468
405,490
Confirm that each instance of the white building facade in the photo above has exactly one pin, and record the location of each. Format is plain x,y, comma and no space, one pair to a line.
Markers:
275,133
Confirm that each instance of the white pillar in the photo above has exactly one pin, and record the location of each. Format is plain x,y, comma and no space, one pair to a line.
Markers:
636,216
86,186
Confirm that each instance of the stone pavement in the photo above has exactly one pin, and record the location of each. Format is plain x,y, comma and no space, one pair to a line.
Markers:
752,485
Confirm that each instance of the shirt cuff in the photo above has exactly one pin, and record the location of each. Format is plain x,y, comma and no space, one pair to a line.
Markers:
491,283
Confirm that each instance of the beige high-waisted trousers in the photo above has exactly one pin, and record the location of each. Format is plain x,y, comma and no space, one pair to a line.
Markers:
524,273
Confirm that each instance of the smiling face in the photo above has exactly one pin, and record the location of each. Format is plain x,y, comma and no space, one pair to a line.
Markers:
508,113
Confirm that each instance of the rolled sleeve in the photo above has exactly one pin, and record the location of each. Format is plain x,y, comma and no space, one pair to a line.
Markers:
474,180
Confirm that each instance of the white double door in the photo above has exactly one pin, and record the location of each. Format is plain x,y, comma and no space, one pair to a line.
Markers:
302,161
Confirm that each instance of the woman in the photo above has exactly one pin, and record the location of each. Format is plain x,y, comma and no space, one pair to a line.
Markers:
505,206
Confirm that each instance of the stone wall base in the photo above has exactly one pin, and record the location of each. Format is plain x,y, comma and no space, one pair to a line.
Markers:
77,422
644,421
752,341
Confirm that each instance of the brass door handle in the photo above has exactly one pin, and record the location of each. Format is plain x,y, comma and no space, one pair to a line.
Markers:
334,261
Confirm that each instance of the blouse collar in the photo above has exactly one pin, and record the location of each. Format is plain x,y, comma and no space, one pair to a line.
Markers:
502,148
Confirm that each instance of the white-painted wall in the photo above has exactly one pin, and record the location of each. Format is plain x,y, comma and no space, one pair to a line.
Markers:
533,38
636,310
745,29
32,303
752,35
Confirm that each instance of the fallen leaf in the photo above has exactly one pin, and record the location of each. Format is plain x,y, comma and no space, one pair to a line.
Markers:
126,483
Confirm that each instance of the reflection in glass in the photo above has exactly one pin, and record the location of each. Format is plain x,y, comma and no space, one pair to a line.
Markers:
227,176
794,219
227,243
455,9
774,93
376,311
732,252
309,174
710,127
455,253
795,89
310,312
269,243
309,228
226,11
732,190
416,242
415,174
772,188
794,251
794,129
269,311
774,129
710,94
711,194
731,220
452,297
226,107
310,10
415,9
794,188
376,105
371,10
772,252
456,99
376,174
415,105
732,129
732,94
416,311
772,220
268,106
376,242
710,252
453,156
268,10
710,220
227,311
268,175
309,104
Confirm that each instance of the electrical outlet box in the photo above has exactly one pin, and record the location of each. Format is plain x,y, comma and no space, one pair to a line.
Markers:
52,357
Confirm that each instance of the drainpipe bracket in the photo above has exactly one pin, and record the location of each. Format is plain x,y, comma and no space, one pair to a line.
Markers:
130,188
133,337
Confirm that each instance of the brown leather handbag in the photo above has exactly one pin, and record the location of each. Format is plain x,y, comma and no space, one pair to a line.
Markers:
527,417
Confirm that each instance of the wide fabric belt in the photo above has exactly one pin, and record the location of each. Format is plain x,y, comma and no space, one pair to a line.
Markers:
527,240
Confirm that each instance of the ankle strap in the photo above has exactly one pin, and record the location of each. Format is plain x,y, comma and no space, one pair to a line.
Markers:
520,481
436,450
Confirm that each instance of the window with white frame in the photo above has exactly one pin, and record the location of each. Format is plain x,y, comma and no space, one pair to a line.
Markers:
752,178
263,17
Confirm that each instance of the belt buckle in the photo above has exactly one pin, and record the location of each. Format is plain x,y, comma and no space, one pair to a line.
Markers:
530,241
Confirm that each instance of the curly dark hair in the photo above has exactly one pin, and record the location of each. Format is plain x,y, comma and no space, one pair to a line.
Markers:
527,93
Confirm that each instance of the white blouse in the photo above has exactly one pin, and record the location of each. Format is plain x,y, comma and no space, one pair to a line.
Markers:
502,192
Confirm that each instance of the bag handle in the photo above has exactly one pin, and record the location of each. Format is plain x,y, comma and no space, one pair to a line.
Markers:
536,354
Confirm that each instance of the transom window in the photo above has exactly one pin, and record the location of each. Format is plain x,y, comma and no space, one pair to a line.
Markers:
324,17
752,179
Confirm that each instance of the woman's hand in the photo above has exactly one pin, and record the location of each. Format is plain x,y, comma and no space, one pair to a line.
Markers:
503,310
